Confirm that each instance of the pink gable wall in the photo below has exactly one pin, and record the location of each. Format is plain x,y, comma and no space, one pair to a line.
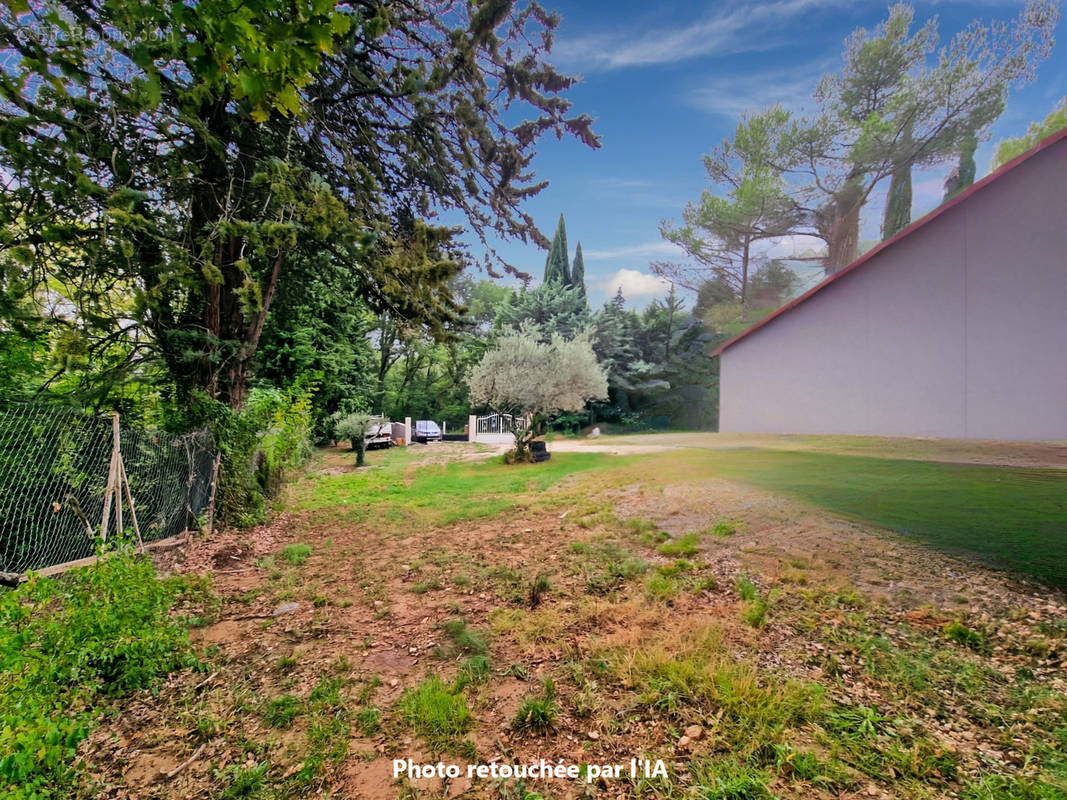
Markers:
958,329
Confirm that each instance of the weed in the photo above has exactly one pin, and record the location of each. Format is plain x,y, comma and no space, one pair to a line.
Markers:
727,779
856,722
538,587
536,715
437,713
724,529
327,693
682,546
746,588
369,720
755,612
1010,787
281,711
974,639
518,671
244,781
660,587
422,587
648,533
465,640
287,663
475,669
296,554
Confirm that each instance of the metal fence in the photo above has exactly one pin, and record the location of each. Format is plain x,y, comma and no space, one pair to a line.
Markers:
57,470
497,423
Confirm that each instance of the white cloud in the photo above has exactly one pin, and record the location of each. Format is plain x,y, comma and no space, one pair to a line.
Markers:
643,250
734,95
743,28
634,284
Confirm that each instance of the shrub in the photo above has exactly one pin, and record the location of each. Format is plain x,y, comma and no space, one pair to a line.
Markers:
258,445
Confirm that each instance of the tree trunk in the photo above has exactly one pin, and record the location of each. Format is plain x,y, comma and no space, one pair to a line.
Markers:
842,236
745,254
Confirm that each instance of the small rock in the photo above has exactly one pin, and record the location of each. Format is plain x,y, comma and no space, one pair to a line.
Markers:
594,735
694,732
285,608
683,743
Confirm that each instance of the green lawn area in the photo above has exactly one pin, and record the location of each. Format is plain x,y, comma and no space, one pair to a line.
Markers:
396,487
1007,516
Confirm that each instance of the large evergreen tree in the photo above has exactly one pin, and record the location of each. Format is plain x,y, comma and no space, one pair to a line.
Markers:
578,272
177,150
556,268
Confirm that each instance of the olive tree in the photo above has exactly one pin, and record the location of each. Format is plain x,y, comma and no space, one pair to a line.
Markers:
533,380
354,428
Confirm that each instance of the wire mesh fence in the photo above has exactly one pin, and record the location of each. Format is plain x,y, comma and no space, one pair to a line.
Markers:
54,477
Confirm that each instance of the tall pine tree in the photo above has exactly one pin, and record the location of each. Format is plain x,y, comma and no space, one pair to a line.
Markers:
556,268
578,272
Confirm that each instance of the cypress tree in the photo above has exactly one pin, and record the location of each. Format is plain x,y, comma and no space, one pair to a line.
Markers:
578,272
963,175
898,202
556,268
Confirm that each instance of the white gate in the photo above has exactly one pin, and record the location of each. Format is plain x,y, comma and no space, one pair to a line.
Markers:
494,428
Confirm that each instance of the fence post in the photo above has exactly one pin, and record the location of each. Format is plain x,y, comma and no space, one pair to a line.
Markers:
214,486
472,428
407,431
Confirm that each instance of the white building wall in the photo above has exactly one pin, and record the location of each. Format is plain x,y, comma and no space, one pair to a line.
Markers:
959,329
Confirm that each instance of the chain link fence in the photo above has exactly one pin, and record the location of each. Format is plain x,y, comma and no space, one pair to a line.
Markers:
54,468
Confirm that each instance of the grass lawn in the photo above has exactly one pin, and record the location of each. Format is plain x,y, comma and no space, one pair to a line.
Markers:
1011,517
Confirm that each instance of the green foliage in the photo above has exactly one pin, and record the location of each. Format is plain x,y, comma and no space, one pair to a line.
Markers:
728,779
179,269
974,639
685,545
552,308
65,646
578,271
281,711
258,446
1010,148
556,267
526,377
296,554
536,715
437,713
1011,787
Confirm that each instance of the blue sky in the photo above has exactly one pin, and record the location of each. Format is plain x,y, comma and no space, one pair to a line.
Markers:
668,81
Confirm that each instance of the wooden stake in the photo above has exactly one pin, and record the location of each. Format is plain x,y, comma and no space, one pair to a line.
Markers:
116,462
211,501
133,511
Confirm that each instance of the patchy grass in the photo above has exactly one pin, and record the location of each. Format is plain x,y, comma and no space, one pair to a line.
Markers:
555,620
296,554
437,713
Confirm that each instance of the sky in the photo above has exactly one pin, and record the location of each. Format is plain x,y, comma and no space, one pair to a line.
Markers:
667,81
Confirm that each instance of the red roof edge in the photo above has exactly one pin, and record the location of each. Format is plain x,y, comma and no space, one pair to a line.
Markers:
1044,144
